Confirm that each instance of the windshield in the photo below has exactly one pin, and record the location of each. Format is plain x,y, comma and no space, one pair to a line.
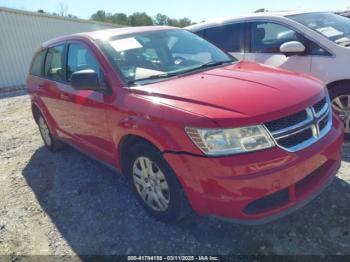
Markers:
334,27
160,54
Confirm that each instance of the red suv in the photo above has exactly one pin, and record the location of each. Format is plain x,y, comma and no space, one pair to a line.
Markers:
191,128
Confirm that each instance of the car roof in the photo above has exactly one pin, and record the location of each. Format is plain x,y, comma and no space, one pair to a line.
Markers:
107,33
223,20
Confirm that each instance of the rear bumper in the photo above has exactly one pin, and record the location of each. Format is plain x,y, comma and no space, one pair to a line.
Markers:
259,187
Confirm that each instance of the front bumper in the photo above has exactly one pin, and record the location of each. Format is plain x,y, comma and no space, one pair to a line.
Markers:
262,186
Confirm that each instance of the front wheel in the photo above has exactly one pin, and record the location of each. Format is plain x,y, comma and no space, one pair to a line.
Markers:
341,104
156,185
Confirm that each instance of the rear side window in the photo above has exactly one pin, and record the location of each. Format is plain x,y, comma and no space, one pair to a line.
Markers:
37,68
227,37
80,58
54,63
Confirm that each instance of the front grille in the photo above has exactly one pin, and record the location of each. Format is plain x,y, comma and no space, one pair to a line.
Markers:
320,105
323,123
296,139
300,130
287,121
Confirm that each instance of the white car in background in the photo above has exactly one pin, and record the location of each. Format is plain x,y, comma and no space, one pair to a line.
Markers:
317,43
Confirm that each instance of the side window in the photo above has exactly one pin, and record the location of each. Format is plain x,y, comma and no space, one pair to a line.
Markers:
37,68
267,37
227,37
80,58
54,62
315,49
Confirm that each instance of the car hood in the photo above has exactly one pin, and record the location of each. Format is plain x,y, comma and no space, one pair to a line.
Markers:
247,92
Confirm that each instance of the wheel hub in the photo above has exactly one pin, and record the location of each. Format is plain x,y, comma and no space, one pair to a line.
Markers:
151,184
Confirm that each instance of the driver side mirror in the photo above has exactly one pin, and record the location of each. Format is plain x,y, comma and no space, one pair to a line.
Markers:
85,80
292,48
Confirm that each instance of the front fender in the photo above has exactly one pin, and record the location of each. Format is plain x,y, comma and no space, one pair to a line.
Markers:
147,129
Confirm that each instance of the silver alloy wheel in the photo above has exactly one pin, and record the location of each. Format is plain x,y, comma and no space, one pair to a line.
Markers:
151,184
44,130
341,105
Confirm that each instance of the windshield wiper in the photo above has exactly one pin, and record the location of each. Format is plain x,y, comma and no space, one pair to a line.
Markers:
172,74
208,65
215,63
152,77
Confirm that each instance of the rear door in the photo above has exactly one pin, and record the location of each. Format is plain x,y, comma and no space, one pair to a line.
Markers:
50,86
264,40
228,37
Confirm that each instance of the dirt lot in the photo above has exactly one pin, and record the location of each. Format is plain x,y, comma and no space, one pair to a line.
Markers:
65,203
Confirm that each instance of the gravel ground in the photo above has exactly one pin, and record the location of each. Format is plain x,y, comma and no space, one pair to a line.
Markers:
67,204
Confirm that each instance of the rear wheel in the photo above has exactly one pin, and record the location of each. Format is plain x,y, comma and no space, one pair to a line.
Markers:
51,143
156,185
341,104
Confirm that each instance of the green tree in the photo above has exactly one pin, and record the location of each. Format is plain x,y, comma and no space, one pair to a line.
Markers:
139,19
161,19
173,22
41,11
183,22
120,19
71,16
100,16
261,10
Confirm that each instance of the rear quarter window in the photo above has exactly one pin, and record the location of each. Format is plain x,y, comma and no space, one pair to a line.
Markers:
37,67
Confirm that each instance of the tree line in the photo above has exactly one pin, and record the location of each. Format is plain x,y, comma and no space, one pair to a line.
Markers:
135,19
139,19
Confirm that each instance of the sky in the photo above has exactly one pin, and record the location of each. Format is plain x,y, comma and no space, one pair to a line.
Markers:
196,10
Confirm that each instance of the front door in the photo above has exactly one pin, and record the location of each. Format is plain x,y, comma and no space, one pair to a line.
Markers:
87,116
264,42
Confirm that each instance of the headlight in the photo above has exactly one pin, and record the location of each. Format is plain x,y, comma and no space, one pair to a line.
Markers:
216,142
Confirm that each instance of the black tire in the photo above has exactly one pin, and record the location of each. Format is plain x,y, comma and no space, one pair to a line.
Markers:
178,207
52,143
338,91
